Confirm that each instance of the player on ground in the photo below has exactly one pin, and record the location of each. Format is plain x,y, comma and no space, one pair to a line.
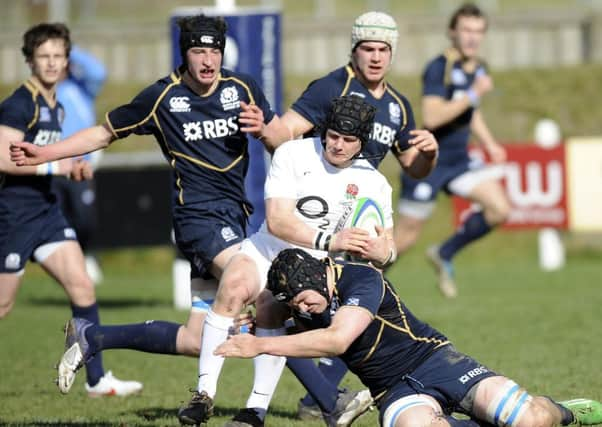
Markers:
311,188
373,45
32,225
414,373
199,115
454,83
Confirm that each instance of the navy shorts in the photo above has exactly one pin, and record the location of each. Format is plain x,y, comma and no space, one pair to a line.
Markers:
447,375
22,232
426,189
202,234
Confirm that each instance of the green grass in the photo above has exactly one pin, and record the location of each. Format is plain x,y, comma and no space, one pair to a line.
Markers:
541,329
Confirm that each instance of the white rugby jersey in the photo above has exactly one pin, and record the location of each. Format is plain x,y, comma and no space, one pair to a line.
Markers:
325,195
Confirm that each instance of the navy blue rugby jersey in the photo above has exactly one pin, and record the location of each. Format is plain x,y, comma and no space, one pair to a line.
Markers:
446,77
394,343
394,116
27,110
199,135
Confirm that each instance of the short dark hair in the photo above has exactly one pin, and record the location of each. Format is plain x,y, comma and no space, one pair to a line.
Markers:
41,33
467,9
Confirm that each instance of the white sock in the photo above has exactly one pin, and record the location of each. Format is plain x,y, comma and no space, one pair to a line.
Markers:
268,370
215,332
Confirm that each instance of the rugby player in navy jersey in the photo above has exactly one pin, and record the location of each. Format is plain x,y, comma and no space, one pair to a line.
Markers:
414,373
373,45
453,84
312,187
32,225
199,115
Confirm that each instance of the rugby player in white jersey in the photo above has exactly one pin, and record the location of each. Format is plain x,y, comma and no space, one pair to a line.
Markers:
312,183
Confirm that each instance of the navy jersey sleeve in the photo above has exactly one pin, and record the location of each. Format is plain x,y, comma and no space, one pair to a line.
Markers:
433,79
17,111
315,101
137,116
260,100
401,143
361,286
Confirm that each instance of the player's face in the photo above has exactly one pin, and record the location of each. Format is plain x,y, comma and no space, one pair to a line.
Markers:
468,35
309,302
340,149
49,62
372,61
204,64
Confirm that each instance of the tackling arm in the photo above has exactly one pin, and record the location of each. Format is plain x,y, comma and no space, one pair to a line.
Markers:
347,324
82,142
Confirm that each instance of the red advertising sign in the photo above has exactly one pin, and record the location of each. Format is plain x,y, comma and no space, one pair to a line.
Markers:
535,181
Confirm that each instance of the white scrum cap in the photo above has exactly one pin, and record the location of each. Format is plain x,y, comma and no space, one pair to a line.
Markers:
375,26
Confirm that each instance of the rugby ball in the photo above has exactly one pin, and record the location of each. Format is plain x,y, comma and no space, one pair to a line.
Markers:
366,215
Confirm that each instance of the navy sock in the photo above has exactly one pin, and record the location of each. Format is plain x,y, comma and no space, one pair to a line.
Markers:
334,371
473,228
323,391
152,336
94,368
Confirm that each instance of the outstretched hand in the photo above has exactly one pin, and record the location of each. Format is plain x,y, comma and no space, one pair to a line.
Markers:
251,117
26,154
241,345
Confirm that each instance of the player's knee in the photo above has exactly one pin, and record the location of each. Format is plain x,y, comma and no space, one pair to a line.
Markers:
188,343
498,212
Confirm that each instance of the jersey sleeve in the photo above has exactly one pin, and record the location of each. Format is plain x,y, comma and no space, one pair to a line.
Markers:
314,102
135,117
401,143
281,181
17,112
261,101
360,286
433,79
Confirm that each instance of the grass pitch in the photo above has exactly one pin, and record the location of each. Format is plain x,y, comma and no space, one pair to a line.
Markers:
541,329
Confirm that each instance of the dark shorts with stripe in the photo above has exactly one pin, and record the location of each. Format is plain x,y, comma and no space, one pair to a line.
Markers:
22,232
426,189
447,375
201,234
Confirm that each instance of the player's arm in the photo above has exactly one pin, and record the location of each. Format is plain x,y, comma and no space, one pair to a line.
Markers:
296,123
8,134
271,134
347,324
481,131
284,224
438,111
420,159
380,250
82,142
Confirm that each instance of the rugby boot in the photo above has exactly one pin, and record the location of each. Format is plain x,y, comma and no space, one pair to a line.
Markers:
308,412
76,353
350,406
112,386
198,410
445,270
246,417
586,412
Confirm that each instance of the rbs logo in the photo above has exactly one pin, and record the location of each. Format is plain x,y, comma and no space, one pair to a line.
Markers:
218,128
